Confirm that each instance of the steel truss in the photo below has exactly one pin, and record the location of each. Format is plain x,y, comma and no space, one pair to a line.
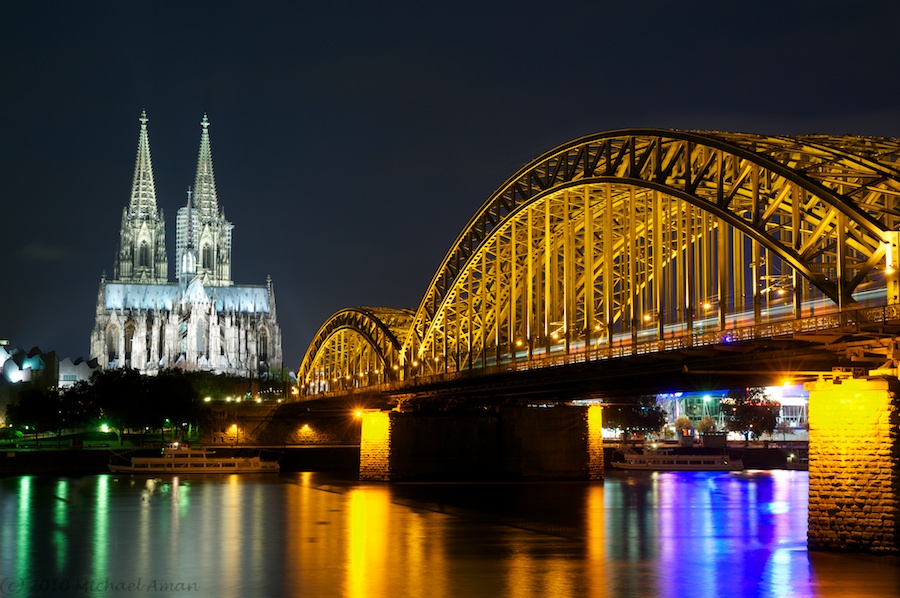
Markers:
630,236
355,347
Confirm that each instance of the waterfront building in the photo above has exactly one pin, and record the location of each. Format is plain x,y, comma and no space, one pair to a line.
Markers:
70,372
20,369
696,406
18,365
200,321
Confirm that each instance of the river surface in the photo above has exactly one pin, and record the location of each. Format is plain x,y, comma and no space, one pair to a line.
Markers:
312,534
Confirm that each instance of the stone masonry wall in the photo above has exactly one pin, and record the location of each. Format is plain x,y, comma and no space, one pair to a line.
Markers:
594,437
443,446
854,465
516,443
375,447
270,425
545,443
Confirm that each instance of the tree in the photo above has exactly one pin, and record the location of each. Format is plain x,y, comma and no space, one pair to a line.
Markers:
784,428
216,386
640,415
750,411
706,425
120,395
174,398
36,410
683,423
79,406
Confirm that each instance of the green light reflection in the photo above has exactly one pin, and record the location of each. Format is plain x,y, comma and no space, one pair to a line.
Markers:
101,528
23,528
61,523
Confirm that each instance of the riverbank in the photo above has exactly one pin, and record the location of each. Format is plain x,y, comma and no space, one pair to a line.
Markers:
52,461
48,461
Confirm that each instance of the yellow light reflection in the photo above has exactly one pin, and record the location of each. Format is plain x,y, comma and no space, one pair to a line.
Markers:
368,553
596,540
530,575
230,534
424,557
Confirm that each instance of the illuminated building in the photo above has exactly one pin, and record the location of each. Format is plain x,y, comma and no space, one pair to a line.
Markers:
36,369
202,320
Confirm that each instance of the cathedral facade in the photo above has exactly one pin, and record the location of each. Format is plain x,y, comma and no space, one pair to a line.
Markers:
199,321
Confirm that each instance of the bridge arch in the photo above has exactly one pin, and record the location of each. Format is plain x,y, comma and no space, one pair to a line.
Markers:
637,234
625,237
355,347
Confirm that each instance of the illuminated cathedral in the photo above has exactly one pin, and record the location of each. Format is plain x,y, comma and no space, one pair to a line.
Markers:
202,320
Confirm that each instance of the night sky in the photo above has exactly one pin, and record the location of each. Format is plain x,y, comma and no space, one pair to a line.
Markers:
352,141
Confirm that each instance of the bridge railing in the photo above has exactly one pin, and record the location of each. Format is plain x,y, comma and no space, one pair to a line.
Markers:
849,321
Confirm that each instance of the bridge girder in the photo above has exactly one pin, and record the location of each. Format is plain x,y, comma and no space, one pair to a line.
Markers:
666,211
627,236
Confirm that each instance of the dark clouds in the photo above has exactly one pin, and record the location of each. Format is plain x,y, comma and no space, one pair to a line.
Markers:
353,141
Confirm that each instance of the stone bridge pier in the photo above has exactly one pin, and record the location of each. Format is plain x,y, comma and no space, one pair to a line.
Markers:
552,443
854,465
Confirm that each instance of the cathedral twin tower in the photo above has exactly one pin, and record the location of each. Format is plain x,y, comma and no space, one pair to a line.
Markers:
203,320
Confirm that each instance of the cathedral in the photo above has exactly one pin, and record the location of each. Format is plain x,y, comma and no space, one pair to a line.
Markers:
202,320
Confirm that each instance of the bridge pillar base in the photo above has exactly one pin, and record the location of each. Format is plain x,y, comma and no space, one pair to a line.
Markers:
512,443
854,465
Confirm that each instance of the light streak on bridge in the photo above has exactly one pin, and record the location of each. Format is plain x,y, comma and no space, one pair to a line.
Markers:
637,241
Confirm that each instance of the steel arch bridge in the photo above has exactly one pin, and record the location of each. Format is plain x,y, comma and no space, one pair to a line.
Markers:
636,236
356,347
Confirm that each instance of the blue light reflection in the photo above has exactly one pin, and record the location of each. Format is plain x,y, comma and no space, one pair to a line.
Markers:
715,534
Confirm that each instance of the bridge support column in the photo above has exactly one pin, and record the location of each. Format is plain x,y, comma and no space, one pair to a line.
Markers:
512,443
375,447
595,442
551,443
854,465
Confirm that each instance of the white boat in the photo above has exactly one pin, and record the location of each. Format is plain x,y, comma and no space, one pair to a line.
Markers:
181,458
666,461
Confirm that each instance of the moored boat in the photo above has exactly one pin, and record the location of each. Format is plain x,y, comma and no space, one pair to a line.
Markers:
666,461
181,458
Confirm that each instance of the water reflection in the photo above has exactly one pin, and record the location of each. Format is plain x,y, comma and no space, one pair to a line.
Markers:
684,534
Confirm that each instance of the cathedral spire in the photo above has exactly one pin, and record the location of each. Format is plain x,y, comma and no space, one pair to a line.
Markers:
207,202
212,232
143,189
141,256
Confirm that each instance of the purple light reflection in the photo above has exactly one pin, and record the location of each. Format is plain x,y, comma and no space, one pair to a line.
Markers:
713,534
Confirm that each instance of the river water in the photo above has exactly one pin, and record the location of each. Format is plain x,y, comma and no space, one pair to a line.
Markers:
313,534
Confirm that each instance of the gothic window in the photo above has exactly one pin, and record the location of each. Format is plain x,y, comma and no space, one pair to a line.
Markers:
129,339
263,345
144,255
207,257
148,339
162,340
183,333
112,345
